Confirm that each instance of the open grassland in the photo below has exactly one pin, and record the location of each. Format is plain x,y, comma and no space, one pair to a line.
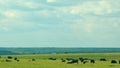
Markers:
41,61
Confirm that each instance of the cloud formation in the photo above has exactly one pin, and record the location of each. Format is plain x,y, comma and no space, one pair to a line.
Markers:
93,21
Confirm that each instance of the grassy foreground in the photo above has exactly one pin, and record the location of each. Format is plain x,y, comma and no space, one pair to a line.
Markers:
43,62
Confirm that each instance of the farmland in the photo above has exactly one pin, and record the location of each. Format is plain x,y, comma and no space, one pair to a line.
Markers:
41,61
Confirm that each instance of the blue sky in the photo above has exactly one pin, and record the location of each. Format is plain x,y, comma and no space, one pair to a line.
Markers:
59,23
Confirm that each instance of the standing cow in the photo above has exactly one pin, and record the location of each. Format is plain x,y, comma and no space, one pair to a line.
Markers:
7,60
92,61
52,58
113,61
15,58
81,59
72,62
33,59
9,57
103,59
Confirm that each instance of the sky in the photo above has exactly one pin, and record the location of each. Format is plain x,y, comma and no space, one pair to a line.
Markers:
59,23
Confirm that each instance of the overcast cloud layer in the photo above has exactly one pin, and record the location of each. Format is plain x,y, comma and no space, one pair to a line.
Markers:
59,23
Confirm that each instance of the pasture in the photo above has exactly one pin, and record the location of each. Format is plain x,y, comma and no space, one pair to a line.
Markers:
42,61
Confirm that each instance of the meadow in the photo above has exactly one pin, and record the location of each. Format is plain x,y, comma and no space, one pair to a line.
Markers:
42,61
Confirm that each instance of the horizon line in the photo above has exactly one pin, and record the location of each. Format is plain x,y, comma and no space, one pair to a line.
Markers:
59,47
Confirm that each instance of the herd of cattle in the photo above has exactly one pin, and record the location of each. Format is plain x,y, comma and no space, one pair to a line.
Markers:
67,60
10,59
83,60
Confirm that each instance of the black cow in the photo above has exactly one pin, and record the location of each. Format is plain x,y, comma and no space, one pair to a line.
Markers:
52,58
15,58
8,60
103,59
9,57
72,62
119,61
113,61
33,59
92,61
75,61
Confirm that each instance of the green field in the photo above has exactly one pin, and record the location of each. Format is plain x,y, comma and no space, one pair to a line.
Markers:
43,62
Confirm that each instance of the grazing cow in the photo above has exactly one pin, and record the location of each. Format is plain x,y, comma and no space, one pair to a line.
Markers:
8,60
72,62
52,58
113,61
92,61
119,61
103,59
33,59
75,61
15,58
84,62
9,57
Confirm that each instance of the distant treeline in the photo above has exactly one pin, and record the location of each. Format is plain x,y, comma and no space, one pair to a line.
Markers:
6,51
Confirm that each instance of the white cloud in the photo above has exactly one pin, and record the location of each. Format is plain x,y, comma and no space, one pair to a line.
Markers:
23,3
9,14
99,7
12,13
95,24
49,1
4,2
32,4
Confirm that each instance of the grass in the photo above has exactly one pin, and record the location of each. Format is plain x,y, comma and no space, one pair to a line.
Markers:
43,62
